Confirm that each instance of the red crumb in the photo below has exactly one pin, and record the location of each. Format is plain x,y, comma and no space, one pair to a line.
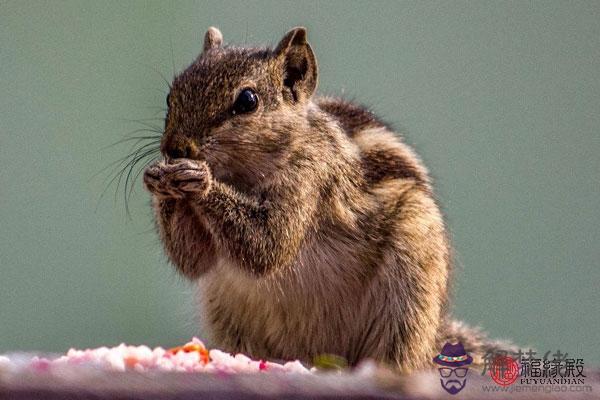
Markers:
130,361
190,348
262,366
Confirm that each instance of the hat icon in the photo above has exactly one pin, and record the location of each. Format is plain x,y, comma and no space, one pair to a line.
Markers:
453,355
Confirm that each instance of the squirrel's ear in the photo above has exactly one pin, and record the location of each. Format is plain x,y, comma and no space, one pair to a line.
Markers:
212,39
299,64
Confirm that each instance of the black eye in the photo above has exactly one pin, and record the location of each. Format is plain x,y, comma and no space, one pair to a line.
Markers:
168,98
246,102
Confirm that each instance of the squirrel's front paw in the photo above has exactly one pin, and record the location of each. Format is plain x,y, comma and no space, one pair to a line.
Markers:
178,179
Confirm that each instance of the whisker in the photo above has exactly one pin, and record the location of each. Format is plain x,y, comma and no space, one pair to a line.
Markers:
137,175
154,128
153,69
141,119
138,139
134,153
139,130
129,167
114,177
126,193
172,55
120,160
135,158
156,109
164,79
161,91
123,164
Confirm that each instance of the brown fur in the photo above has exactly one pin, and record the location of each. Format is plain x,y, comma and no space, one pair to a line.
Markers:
309,226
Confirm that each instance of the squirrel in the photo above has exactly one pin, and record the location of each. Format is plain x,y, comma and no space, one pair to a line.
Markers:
309,225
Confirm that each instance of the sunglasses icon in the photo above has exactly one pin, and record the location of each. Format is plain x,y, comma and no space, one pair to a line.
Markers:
447,372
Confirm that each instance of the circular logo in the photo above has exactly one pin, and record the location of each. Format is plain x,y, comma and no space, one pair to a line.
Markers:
504,370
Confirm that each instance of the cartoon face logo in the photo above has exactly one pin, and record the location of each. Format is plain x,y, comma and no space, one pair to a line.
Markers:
453,380
452,361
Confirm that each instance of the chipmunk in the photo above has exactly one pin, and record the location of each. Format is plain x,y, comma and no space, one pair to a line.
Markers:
308,224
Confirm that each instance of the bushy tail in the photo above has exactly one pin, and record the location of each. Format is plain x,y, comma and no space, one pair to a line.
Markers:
475,341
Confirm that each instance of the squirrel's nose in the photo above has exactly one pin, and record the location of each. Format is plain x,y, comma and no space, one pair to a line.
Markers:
178,152
173,149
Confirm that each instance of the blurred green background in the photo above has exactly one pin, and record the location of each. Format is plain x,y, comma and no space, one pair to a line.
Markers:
501,99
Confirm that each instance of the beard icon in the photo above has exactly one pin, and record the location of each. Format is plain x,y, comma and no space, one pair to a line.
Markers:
453,385
453,363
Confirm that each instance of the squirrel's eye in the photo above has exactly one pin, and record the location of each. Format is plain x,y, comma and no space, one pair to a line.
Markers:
246,102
